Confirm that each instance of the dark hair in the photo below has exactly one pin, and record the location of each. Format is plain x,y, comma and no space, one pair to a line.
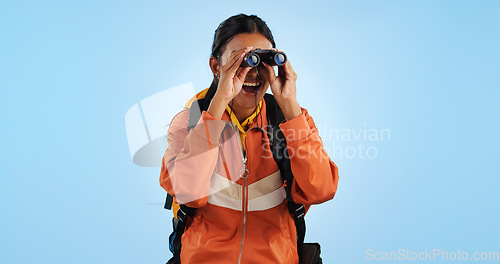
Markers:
230,27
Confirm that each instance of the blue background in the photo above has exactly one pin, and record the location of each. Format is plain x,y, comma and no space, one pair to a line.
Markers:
426,70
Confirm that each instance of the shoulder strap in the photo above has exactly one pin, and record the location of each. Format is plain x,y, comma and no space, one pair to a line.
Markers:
280,154
278,142
195,110
274,114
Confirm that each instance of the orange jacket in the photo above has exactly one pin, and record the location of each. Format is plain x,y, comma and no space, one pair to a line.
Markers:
242,215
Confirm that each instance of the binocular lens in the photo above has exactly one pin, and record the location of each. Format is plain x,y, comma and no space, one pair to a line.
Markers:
253,60
279,59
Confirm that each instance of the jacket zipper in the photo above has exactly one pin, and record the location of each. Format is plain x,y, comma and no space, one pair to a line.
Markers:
243,174
244,220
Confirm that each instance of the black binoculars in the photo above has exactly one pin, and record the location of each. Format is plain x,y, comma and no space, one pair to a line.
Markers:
271,57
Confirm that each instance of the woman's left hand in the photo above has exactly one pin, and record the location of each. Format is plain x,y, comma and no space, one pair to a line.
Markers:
284,89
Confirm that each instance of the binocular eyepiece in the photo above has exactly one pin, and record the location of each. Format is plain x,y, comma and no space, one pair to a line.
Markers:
271,57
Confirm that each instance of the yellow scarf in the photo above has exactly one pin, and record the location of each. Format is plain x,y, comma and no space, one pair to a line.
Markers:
242,128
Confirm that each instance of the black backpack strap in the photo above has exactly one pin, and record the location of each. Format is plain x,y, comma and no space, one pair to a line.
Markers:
168,202
298,211
179,225
195,111
278,143
280,155
274,114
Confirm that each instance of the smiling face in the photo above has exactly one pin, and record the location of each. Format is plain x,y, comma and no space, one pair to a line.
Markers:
255,85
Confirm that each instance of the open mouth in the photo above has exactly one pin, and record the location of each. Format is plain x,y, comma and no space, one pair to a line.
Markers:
251,88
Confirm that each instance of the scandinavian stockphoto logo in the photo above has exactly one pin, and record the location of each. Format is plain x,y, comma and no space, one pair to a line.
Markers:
147,123
360,143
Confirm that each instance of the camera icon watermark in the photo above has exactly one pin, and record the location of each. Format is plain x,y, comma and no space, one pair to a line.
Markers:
147,122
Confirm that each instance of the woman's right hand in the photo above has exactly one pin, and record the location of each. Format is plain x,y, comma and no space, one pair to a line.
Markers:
231,80
232,75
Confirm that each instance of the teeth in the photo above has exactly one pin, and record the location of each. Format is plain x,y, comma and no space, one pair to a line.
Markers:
251,84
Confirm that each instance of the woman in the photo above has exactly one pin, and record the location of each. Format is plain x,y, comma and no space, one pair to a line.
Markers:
234,182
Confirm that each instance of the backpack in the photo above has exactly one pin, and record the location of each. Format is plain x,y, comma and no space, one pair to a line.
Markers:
309,253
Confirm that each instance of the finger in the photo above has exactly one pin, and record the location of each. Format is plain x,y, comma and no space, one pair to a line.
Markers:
235,53
287,71
238,62
273,79
237,58
241,75
282,72
270,72
233,58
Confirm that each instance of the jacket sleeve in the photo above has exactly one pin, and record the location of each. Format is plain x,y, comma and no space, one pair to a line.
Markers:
315,175
190,159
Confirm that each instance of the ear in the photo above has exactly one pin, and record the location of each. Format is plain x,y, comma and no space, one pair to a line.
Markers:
214,65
